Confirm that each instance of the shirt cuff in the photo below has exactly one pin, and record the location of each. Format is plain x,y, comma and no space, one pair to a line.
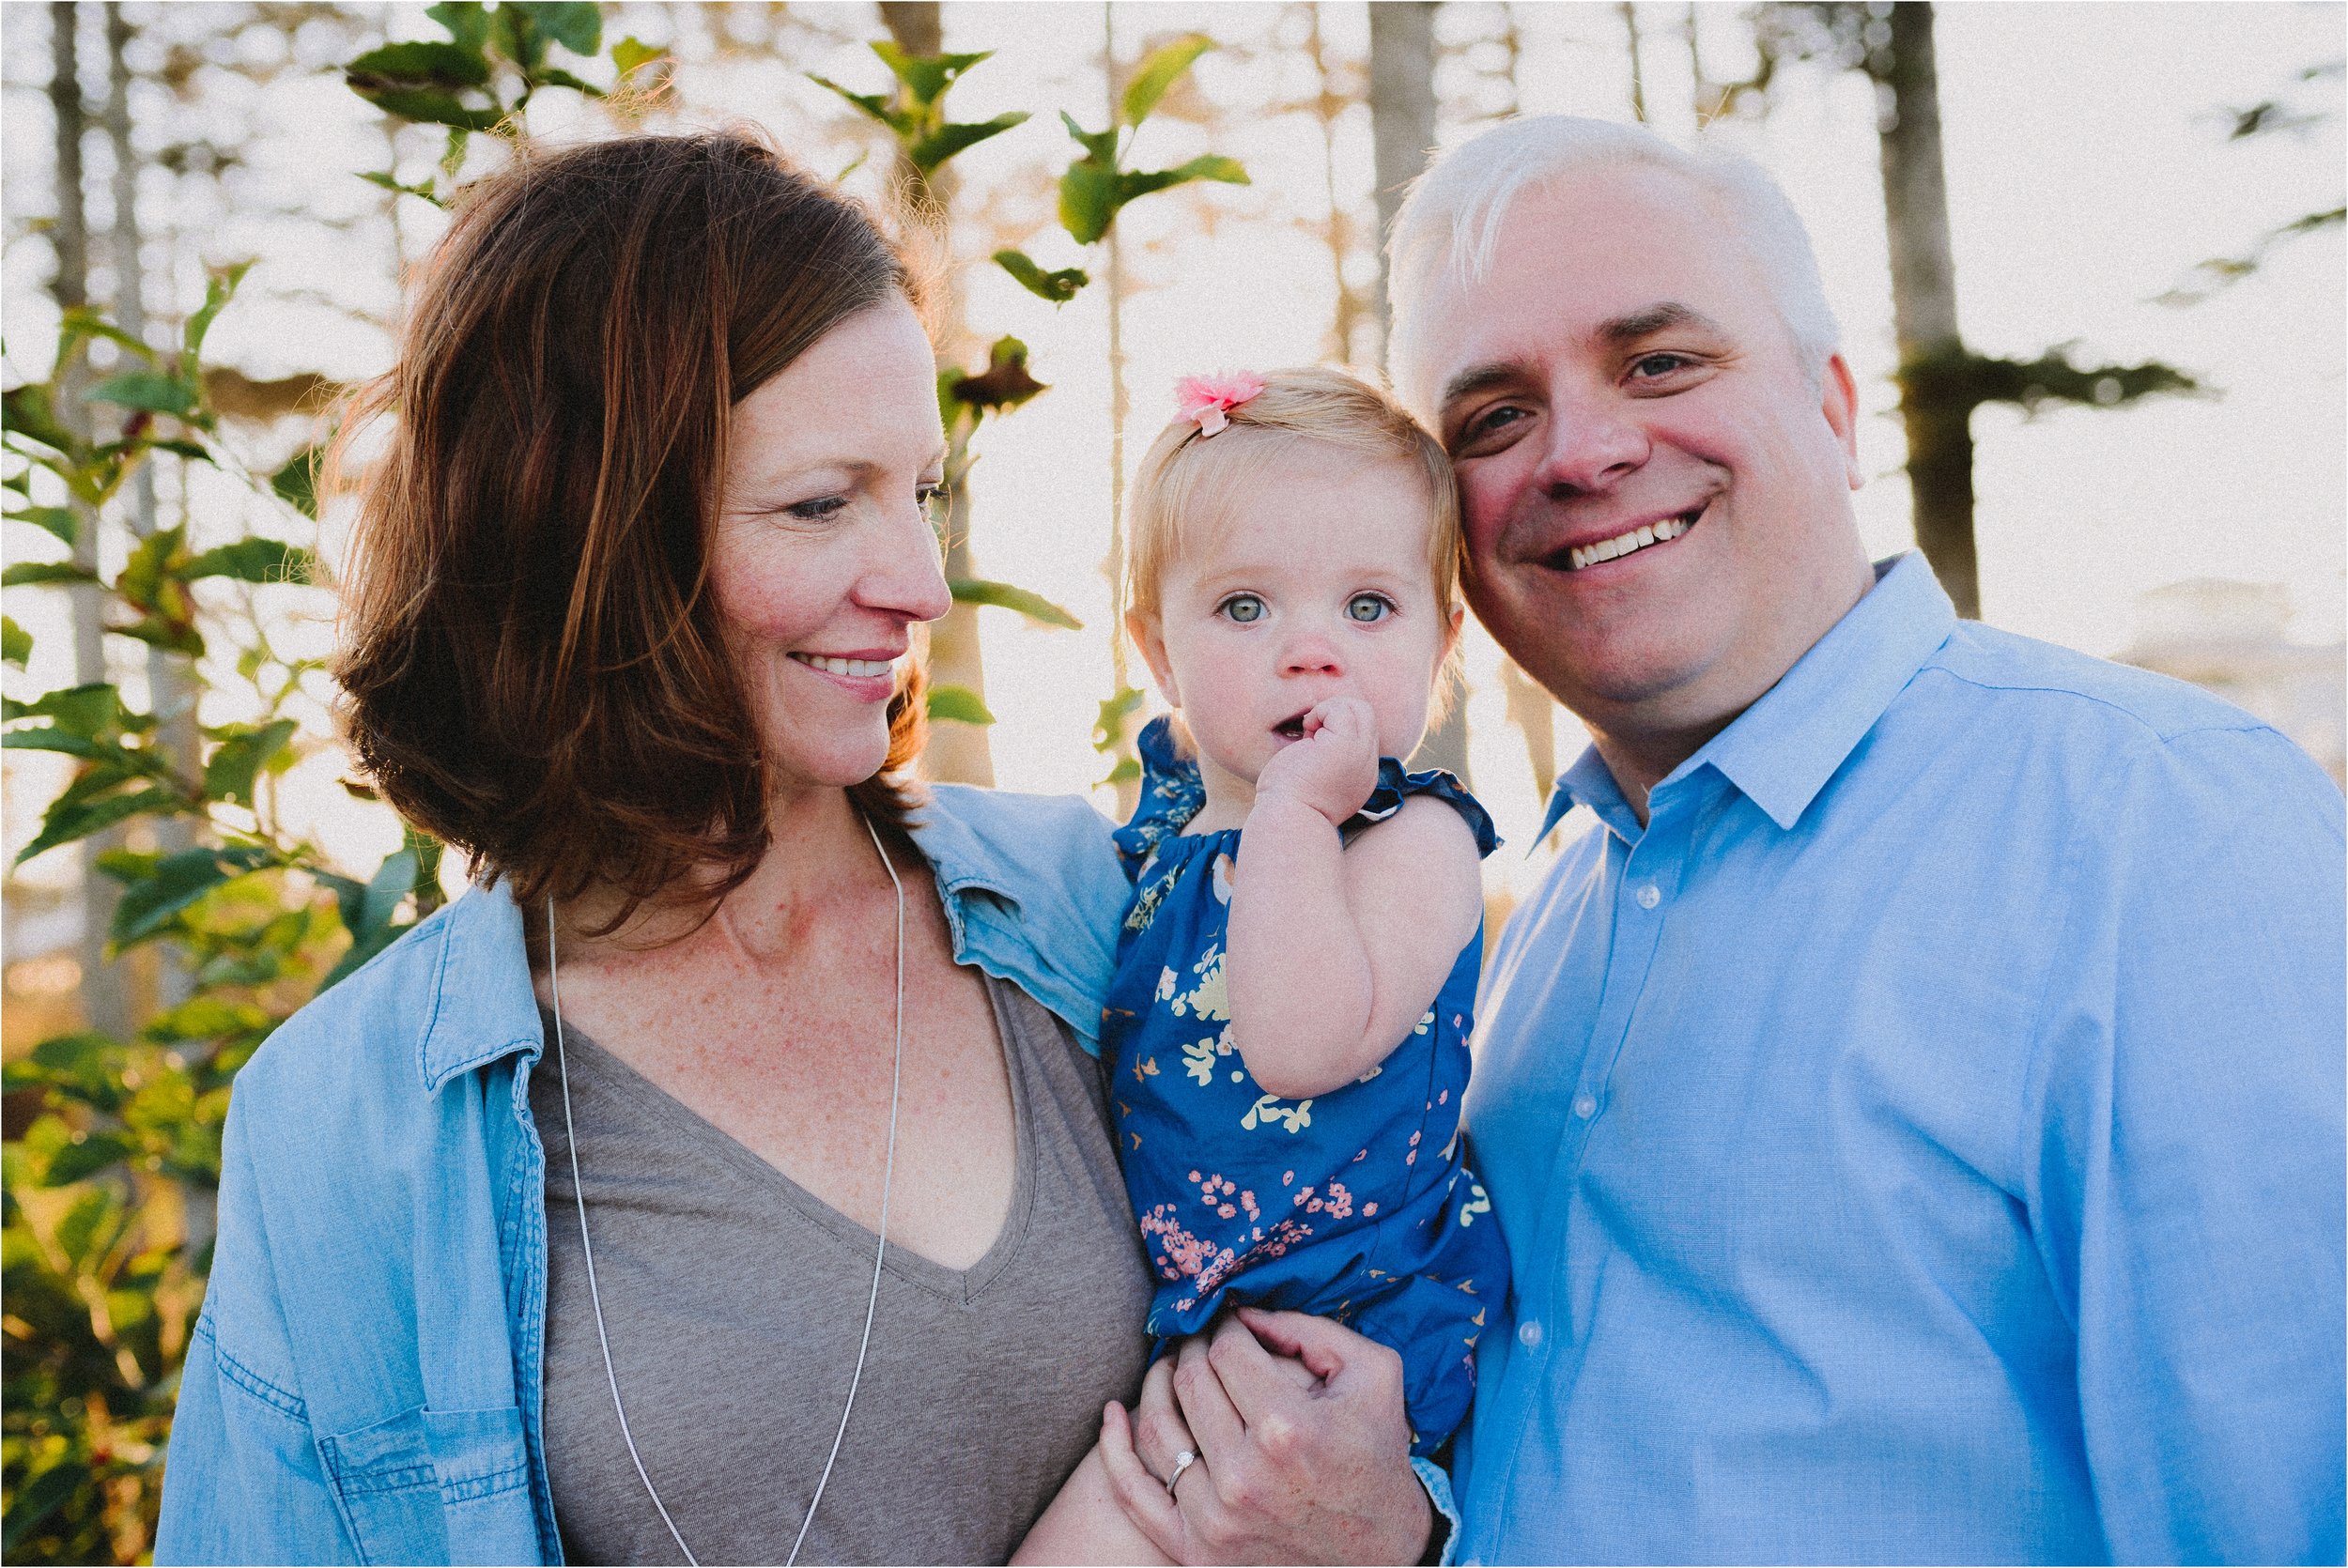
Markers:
1437,1483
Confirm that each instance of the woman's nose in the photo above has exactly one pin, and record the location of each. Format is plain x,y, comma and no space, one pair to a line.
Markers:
907,576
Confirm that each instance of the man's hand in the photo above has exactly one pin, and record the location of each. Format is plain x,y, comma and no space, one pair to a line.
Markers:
1303,1450
1334,768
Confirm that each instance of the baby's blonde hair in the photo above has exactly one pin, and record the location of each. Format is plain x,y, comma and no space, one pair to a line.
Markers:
1186,480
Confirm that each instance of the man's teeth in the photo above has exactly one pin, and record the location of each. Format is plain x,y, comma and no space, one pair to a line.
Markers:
1622,544
846,667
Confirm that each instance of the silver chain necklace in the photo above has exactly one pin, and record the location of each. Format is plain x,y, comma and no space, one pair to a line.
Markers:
880,1253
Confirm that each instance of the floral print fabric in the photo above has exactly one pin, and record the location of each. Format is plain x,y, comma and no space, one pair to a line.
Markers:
1357,1204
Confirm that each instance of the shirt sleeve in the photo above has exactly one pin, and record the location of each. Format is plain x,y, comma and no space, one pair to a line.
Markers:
242,1479
2186,1145
1437,1483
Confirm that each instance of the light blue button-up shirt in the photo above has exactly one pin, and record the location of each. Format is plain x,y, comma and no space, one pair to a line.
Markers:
1923,1140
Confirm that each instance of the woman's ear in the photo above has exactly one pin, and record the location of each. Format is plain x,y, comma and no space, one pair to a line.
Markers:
1150,636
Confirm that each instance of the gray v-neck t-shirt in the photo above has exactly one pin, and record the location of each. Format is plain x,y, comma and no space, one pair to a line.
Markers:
735,1302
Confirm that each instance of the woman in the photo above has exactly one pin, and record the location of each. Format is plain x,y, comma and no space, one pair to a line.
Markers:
632,605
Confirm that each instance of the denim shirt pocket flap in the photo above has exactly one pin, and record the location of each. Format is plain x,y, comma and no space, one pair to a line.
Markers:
434,1487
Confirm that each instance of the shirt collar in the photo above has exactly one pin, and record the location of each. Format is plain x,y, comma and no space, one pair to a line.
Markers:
1781,751
483,1006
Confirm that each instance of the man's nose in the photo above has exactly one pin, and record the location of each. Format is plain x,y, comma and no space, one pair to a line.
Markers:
1591,445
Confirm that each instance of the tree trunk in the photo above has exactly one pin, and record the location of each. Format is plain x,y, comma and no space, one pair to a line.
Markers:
1120,669
957,753
105,1000
1638,74
1402,130
1329,103
171,695
1924,304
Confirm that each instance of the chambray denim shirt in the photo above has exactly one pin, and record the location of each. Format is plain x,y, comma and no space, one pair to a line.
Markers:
363,1383
1923,1140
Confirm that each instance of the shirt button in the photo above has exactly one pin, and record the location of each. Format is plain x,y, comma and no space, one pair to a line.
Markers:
1649,896
1528,1334
1585,1107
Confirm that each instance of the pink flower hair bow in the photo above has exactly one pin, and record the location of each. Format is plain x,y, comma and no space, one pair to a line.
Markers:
1209,399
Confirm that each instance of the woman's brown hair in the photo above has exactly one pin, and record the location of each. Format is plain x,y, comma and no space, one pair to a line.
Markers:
531,660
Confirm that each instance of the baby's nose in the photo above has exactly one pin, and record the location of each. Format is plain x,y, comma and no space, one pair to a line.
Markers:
1310,654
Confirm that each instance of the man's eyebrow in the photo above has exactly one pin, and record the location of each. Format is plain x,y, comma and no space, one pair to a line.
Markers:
1476,379
1625,329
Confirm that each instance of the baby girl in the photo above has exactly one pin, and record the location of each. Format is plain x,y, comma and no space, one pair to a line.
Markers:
1287,1032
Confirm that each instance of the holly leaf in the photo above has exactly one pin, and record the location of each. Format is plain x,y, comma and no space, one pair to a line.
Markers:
1160,70
958,703
1058,287
1003,595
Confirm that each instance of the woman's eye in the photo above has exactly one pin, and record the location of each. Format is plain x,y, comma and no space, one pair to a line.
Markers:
1367,607
817,510
1242,607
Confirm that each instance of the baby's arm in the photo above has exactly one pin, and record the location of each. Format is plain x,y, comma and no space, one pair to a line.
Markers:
1334,954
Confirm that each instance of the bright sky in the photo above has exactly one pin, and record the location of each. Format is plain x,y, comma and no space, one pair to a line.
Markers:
2088,171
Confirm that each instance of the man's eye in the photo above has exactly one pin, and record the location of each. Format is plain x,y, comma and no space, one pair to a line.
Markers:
931,496
1242,607
817,510
1650,367
1491,420
1367,607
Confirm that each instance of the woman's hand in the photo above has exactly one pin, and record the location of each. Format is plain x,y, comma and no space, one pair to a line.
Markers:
1304,1449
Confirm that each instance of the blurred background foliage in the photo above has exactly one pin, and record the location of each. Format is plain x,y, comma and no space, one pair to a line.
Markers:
168,520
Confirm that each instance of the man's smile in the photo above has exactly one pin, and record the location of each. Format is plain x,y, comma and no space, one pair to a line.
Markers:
1624,541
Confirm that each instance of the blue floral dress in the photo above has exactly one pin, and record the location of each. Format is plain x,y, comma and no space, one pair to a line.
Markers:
1357,1204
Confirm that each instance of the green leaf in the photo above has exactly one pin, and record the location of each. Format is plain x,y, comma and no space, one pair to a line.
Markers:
926,77
157,394
390,182
367,911
229,773
575,24
38,1498
296,483
253,559
25,574
873,104
16,643
1160,70
1099,146
630,53
1127,768
1003,384
426,105
79,1162
144,573
958,703
1088,200
1058,287
421,64
1035,607
467,20
25,411
947,140
66,823
1109,729
92,712
178,880
555,76
1136,183
161,631
57,520
50,738
82,322
219,288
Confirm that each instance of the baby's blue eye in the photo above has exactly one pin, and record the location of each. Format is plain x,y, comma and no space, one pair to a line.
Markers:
1367,607
1244,608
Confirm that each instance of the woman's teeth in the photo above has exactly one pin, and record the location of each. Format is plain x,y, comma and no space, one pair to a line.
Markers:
1637,539
846,667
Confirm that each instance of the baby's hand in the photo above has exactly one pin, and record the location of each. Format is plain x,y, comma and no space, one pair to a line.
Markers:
1335,766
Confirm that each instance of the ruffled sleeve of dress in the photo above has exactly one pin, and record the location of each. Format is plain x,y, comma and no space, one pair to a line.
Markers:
1172,795
1395,786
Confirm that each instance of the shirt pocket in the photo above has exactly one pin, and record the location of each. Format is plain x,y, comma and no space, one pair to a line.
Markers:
436,1486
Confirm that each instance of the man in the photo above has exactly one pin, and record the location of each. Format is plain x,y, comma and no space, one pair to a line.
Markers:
1915,1100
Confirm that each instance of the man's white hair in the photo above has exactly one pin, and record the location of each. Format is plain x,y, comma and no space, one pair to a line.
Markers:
1448,230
